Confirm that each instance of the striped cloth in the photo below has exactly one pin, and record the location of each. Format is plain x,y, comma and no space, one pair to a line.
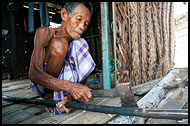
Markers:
78,65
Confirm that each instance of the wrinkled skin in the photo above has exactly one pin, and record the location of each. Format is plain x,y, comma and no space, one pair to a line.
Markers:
51,46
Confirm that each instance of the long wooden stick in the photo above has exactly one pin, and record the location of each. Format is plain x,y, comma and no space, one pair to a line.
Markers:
129,111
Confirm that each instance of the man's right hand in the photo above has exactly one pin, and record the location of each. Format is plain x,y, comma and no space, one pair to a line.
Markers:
81,93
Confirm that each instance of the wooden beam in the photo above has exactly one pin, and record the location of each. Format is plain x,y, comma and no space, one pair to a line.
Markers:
13,46
105,45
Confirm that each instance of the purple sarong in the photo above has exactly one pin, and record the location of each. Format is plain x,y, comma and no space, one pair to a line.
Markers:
78,65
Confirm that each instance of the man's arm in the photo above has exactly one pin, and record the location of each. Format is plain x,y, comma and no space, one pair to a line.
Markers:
38,76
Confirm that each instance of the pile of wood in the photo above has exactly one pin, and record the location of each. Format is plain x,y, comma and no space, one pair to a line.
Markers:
144,40
168,92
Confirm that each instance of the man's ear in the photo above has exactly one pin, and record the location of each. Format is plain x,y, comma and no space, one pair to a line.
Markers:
64,14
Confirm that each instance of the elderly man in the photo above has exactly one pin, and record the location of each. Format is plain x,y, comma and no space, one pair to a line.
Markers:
61,60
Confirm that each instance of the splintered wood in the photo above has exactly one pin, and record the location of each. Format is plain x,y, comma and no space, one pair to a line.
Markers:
144,40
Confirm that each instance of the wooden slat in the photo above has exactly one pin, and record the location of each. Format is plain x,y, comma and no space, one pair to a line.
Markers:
54,119
20,86
21,115
93,117
15,107
172,101
10,83
20,93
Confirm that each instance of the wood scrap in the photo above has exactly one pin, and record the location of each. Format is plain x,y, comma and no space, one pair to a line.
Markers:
144,88
172,101
154,96
176,83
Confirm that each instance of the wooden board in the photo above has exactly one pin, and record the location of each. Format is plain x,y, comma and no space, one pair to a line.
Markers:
175,99
21,115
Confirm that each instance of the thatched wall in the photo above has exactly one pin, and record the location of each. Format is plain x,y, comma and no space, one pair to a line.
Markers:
144,40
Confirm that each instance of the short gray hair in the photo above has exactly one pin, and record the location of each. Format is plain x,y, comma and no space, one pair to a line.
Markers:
71,6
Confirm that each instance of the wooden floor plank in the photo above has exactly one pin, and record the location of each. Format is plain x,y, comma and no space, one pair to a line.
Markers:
23,94
15,107
11,83
20,86
87,117
35,114
35,119
16,92
54,119
21,115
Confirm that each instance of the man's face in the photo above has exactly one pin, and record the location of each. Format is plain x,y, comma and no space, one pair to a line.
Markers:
78,21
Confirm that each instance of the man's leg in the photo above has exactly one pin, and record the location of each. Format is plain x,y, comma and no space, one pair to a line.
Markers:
55,54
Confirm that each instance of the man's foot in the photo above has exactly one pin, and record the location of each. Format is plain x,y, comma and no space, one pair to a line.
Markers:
48,96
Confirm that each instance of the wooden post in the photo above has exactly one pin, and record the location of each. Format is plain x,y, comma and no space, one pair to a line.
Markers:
105,45
13,46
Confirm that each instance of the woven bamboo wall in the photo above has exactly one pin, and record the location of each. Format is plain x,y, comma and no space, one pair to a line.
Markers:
144,40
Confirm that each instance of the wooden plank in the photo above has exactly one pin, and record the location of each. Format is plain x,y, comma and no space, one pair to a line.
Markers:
10,83
24,93
87,117
172,101
36,118
15,92
14,67
49,118
15,107
21,115
156,94
152,98
24,85
54,119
